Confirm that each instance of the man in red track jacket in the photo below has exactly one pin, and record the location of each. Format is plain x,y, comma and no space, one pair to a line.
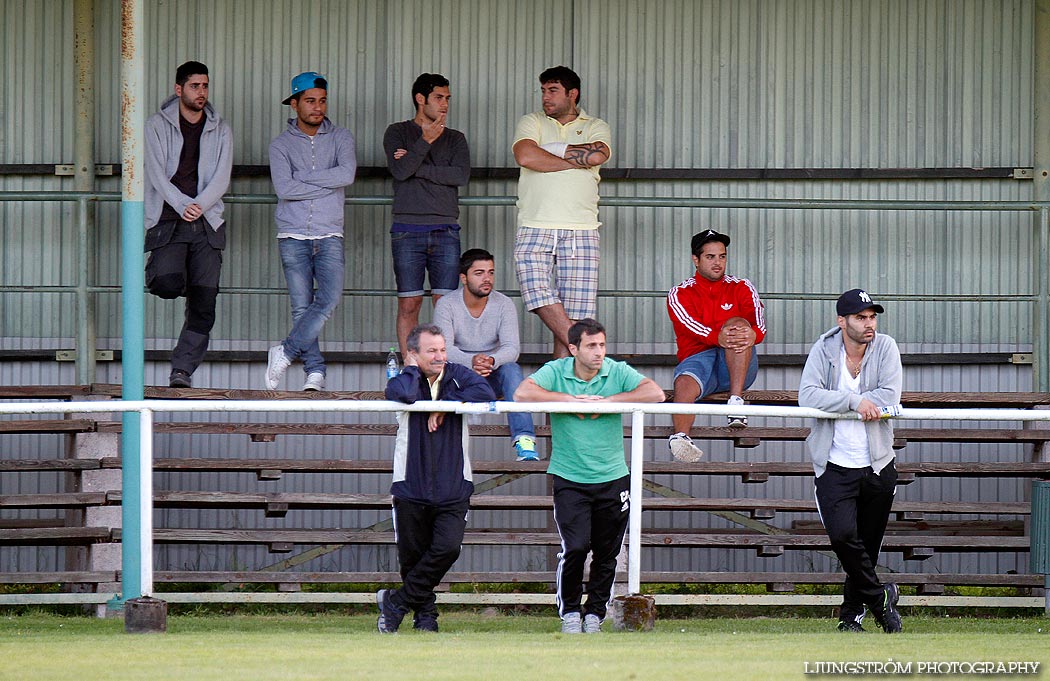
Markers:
717,321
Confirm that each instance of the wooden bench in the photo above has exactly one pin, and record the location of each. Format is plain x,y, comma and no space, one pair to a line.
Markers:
68,577
55,536
766,545
278,504
273,469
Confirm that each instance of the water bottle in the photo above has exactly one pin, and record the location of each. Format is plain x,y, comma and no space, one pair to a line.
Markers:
392,368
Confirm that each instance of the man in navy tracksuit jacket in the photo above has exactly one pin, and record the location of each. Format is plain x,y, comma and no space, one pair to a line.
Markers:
432,477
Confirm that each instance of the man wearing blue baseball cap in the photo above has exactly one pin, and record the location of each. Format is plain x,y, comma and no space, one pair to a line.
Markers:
851,367
311,164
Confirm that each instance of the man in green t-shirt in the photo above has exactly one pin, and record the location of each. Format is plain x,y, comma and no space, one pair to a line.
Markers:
591,480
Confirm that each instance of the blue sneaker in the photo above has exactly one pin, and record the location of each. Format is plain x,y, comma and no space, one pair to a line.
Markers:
390,615
525,447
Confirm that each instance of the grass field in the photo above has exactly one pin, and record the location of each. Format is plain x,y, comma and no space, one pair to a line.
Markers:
480,646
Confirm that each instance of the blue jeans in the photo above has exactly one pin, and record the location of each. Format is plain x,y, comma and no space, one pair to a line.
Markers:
304,261
417,253
504,381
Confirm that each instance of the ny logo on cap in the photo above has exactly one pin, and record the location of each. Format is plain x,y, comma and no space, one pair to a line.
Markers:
864,296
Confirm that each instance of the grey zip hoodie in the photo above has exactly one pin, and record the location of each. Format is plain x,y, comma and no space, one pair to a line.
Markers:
880,383
310,176
163,146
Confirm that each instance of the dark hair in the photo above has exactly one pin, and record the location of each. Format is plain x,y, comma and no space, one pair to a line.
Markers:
472,256
190,68
588,326
566,76
412,342
425,84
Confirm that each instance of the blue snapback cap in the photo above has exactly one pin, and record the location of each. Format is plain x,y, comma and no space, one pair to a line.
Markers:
304,81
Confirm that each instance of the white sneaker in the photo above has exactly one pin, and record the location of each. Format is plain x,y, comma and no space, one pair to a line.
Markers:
570,623
736,421
314,381
683,449
591,624
276,364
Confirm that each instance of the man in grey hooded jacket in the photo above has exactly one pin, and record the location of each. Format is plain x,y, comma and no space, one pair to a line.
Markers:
188,160
852,368
311,164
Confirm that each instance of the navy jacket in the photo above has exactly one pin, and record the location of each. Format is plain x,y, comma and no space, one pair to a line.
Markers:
434,468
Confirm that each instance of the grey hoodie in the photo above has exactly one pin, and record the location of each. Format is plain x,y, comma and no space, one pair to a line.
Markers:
163,146
880,383
310,176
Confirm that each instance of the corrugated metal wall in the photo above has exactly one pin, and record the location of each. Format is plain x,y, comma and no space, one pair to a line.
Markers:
683,84
748,84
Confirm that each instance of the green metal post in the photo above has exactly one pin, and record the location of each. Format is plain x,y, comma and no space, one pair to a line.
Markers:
132,212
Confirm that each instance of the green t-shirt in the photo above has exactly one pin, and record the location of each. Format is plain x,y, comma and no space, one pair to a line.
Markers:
587,450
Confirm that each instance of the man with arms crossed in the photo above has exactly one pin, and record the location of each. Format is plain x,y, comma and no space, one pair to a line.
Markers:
591,480
559,150
718,320
480,326
432,478
311,163
189,157
429,162
853,368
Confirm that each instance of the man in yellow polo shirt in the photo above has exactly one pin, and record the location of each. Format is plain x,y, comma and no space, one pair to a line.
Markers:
592,495
559,150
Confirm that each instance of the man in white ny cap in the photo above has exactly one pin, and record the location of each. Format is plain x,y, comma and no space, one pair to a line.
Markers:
851,367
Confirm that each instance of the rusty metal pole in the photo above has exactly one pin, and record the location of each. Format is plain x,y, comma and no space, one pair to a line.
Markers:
132,210
84,181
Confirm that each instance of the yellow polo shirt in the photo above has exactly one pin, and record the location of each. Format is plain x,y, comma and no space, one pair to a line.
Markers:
567,199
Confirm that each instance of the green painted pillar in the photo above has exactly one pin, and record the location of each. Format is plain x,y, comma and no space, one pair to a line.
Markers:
133,121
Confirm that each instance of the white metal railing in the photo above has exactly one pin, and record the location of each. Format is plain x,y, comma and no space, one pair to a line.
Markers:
141,546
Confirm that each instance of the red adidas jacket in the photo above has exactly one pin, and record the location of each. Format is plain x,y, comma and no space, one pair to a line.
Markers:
698,308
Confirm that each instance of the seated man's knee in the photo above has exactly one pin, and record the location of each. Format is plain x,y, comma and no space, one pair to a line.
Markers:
686,389
167,286
736,321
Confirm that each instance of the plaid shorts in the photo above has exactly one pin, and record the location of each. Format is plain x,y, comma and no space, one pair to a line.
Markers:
569,257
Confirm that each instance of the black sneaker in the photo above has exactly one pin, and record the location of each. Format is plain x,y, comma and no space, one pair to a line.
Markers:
426,622
885,613
852,627
179,379
390,615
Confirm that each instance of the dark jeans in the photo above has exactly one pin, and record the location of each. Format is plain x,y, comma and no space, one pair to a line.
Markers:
429,539
184,261
591,518
854,505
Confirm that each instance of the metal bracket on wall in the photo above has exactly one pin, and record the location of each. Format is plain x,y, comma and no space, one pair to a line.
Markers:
1024,173
65,169
1021,358
71,355
104,169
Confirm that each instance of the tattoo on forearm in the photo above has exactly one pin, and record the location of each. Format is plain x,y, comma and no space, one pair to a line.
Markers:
585,155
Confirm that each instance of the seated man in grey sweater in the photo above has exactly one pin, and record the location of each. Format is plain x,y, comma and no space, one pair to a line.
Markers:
480,326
